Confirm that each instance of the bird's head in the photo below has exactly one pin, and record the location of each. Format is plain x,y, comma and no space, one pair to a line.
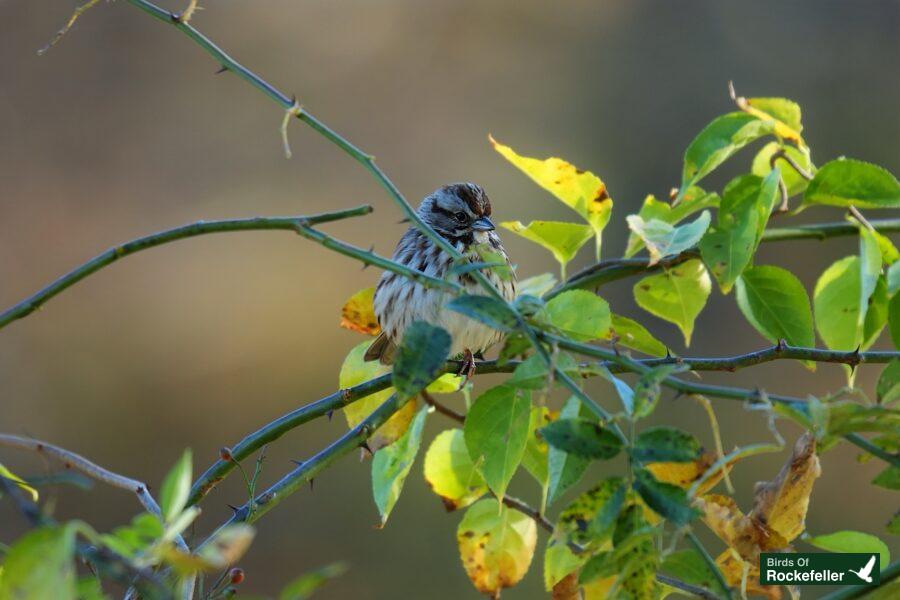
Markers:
458,210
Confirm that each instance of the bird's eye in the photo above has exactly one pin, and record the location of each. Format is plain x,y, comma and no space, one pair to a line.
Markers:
461,217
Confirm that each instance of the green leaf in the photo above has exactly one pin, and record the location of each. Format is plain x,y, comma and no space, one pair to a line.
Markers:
889,478
888,388
559,562
578,314
496,432
623,390
536,286
176,488
794,182
303,587
41,565
391,465
136,537
582,437
876,314
648,389
688,566
582,191
483,309
676,295
535,458
724,136
420,358
894,319
670,501
631,334
728,247
694,200
664,239
532,374
847,182
450,472
565,469
836,302
852,541
894,524
775,302
562,239
893,278
588,520
496,544
665,444
870,267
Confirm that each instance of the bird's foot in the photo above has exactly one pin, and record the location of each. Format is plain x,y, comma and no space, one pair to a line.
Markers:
467,366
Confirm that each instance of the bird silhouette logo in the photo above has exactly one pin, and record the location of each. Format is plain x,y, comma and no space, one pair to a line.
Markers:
866,572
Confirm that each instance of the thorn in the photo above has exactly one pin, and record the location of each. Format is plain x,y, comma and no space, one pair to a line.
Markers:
311,484
220,70
731,93
781,346
299,463
233,508
329,414
403,221
668,353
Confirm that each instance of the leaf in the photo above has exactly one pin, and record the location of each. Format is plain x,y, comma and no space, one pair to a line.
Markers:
496,545
623,390
40,564
226,546
793,181
686,474
536,286
631,334
564,469
450,473
894,319
176,488
744,574
724,136
775,302
647,389
533,373
562,239
358,313
421,356
483,309
852,541
496,432
888,388
136,537
303,587
535,458
688,566
588,520
665,444
20,483
676,295
578,314
391,465
893,278
560,562
582,437
783,114
870,268
889,478
447,383
354,371
663,239
836,302
669,501
729,246
694,200
582,191
847,182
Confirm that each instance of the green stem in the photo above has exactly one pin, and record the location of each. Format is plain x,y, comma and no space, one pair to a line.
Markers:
35,301
692,537
855,591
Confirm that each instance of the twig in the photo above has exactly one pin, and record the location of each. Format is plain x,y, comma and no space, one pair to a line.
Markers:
780,153
856,591
33,302
700,592
692,537
79,10
613,270
444,410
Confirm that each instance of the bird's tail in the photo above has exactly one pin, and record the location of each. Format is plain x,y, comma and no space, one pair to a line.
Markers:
382,349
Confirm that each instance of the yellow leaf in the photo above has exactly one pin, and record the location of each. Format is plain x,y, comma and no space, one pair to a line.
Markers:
450,472
684,474
599,589
496,545
355,371
745,576
358,313
4,472
582,191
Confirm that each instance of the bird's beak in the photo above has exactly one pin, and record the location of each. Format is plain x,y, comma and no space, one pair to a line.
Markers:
482,224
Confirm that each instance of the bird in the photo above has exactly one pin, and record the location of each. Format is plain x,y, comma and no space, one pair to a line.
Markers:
460,213
866,572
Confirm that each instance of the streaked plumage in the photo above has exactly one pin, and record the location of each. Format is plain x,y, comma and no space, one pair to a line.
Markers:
460,213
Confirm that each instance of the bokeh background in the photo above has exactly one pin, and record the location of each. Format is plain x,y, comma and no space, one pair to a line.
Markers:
123,129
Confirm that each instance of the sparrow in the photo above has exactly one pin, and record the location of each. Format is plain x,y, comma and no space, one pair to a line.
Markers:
460,213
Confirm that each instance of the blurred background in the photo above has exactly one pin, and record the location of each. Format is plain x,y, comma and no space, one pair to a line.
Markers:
123,129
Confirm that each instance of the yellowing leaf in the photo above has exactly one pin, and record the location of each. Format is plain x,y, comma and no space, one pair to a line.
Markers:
6,473
582,191
358,313
355,371
450,472
684,474
784,115
562,239
740,573
496,545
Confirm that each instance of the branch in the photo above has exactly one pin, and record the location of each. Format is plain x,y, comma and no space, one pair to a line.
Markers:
444,410
620,268
35,301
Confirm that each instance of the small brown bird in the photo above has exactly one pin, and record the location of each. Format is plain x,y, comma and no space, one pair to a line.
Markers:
460,213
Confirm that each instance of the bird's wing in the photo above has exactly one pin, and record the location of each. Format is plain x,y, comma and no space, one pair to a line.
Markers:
868,568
